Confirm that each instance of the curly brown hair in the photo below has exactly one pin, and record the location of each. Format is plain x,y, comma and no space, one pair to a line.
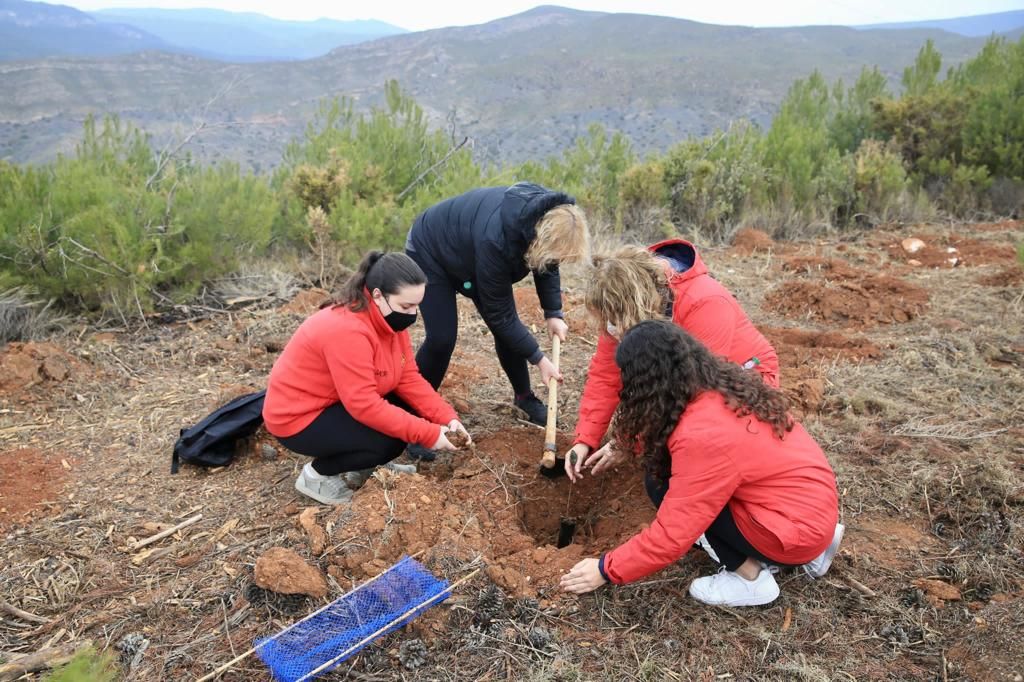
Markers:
663,370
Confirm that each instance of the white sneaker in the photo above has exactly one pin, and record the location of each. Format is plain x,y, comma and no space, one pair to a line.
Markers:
706,546
325,489
726,588
819,566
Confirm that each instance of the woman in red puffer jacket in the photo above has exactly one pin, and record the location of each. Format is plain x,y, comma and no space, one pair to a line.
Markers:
667,280
723,459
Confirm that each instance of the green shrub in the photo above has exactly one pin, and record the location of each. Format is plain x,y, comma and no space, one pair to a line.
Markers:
807,171
880,181
115,226
591,170
87,666
712,180
643,202
370,173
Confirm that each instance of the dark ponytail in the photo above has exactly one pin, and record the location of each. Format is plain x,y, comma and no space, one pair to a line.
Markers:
388,272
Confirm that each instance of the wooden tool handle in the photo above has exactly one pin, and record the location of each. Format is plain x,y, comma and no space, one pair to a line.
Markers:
552,426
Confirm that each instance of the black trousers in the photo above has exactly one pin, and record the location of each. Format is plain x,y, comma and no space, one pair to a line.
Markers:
440,314
338,443
723,535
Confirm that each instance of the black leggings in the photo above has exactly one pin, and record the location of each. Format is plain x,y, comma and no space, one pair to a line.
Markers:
441,321
338,443
723,535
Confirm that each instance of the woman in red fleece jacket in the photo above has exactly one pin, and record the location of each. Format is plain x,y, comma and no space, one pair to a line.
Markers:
346,390
667,280
738,469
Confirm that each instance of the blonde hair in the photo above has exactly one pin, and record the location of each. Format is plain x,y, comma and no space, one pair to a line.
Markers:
626,287
562,235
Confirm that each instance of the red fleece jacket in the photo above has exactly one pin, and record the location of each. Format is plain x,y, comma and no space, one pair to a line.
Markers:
703,308
782,493
354,358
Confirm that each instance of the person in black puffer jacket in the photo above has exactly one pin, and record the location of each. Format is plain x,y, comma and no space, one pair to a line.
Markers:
479,244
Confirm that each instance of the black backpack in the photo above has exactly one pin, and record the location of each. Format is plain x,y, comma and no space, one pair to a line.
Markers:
211,442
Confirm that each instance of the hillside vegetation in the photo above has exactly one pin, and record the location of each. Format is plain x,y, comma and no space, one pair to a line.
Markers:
117,226
523,87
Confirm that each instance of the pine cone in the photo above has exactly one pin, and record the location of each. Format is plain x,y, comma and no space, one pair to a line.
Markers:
412,653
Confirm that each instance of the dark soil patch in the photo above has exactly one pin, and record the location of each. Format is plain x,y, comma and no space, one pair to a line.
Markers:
797,347
529,308
951,251
856,303
748,240
306,302
805,388
889,542
1009,276
29,479
24,365
816,265
493,503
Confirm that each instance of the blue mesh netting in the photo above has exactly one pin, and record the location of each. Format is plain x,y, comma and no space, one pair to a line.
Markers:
297,651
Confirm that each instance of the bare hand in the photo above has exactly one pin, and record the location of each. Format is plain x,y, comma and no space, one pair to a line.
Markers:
456,429
548,371
442,441
606,458
574,461
583,577
557,327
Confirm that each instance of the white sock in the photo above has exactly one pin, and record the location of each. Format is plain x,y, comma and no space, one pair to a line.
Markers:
310,472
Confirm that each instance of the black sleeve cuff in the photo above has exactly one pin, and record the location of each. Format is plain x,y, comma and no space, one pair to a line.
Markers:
548,314
537,356
600,567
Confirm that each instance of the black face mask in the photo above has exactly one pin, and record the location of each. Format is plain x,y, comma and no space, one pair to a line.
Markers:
399,321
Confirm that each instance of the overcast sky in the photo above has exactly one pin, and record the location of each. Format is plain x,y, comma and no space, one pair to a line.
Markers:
418,15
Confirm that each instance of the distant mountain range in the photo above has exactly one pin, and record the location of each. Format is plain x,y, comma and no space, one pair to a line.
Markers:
522,87
237,36
975,26
30,30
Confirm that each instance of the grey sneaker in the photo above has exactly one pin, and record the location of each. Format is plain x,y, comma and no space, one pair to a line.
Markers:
401,468
325,489
357,479
819,566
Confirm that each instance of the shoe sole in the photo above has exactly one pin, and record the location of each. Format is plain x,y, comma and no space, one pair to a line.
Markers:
830,554
320,498
742,602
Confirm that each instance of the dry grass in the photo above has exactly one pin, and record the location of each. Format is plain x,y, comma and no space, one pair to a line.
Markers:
926,443
23,318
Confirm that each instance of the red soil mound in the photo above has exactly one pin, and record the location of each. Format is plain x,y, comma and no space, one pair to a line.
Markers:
858,303
493,503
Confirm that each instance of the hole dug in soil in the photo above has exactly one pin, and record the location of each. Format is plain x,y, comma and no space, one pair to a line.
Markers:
492,504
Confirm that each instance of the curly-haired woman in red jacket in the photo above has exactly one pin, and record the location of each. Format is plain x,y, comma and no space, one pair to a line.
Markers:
667,280
723,458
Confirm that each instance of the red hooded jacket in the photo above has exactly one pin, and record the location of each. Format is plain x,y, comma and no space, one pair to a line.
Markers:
781,492
355,358
703,308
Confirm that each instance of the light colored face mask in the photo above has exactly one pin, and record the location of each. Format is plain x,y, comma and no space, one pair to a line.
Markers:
612,330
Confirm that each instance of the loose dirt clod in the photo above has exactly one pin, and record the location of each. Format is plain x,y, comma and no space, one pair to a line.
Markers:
283,571
748,240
